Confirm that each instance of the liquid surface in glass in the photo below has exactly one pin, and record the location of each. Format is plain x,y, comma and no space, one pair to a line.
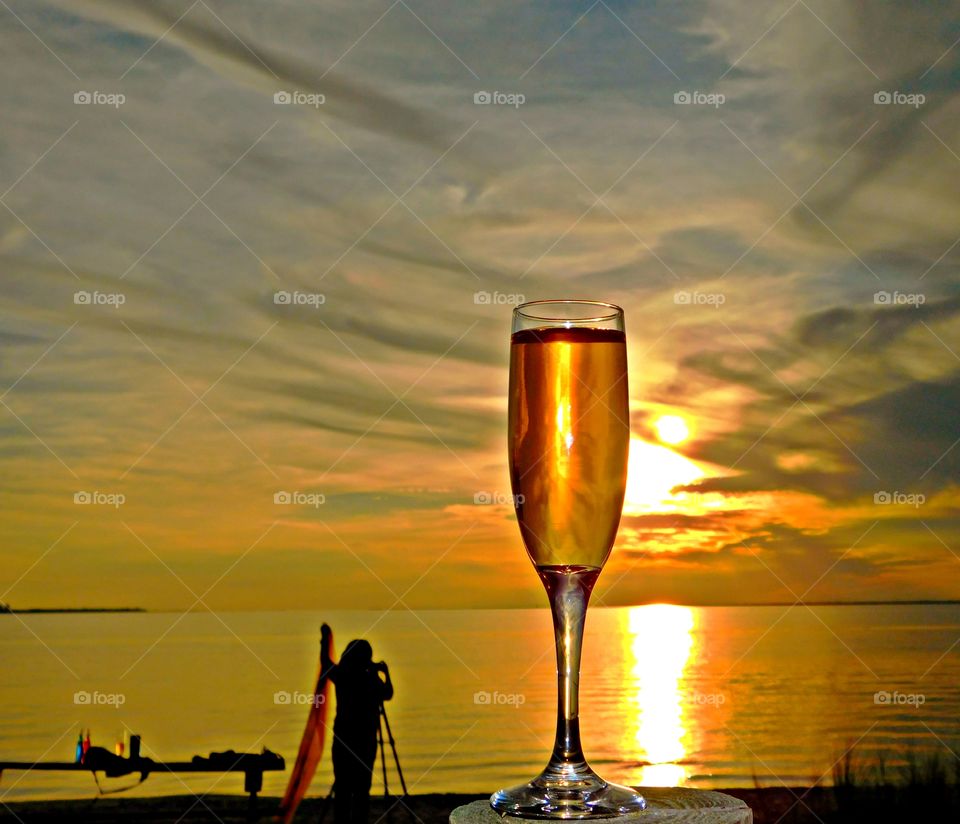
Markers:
568,439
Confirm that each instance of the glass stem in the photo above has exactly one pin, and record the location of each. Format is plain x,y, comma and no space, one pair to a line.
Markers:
569,592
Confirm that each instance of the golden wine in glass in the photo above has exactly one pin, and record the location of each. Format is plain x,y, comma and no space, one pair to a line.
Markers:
568,440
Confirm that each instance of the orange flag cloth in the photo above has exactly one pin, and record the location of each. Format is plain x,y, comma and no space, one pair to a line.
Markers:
311,745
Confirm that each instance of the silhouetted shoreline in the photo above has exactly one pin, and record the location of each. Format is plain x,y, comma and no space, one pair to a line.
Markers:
922,791
768,805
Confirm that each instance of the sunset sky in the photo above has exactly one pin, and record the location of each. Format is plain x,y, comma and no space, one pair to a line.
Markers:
786,247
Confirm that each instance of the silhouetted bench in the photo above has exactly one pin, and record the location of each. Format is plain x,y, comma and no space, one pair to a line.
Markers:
97,759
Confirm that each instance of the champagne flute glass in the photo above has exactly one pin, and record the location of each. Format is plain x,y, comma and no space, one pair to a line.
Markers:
568,441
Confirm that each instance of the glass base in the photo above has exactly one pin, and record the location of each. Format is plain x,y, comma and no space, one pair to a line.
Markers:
568,794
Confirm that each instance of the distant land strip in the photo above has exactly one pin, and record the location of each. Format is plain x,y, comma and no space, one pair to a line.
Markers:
40,610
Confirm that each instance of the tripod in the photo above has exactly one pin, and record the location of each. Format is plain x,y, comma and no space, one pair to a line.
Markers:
382,721
385,722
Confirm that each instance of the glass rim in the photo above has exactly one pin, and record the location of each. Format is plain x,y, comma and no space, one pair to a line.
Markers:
614,310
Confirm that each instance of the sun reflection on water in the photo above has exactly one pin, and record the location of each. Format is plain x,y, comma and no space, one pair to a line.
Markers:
660,644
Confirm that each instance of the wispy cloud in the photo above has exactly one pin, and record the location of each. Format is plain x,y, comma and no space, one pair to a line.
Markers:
788,260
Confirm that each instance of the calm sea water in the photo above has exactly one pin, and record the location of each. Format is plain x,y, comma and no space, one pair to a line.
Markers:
710,697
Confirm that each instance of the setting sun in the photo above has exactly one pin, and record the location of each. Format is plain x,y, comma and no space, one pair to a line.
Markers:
671,429
652,472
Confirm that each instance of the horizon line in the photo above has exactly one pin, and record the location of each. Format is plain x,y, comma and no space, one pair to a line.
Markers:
699,605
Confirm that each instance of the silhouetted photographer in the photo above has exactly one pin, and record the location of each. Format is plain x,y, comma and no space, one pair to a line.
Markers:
362,686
